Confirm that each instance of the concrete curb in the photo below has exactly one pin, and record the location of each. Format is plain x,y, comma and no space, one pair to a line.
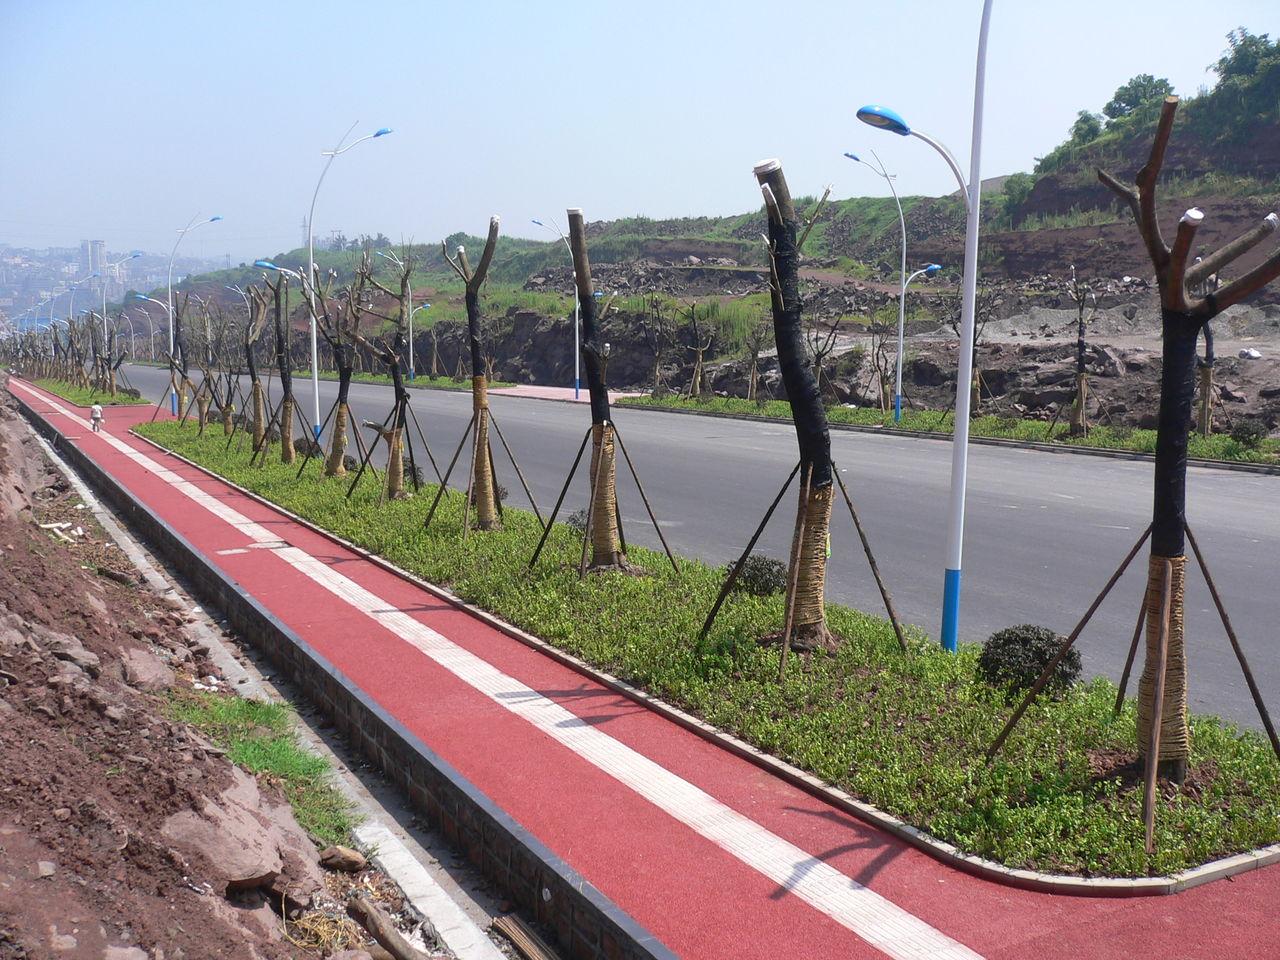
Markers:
940,850
587,922
1262,468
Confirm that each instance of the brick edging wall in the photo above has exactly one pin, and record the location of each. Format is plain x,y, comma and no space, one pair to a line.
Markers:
587,924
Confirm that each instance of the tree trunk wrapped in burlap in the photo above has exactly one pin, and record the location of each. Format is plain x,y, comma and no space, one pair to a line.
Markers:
259,415
482,491
335,463
202,408
606,550
809,614
286,431
1079,415
395,464
1174,734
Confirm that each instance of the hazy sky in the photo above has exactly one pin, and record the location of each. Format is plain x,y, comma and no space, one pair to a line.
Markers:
121,120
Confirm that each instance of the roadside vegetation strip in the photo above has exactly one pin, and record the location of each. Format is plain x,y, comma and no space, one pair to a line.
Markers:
87,396
258,736
1219,446
420,381
905,734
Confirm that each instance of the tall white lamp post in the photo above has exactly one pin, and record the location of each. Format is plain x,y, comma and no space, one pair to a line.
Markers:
337,151
886,119
577,311
114,266
192,225
880,171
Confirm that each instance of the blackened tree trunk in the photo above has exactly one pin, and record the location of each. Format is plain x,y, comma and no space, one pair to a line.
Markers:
606,548
809,546
280,292
482,480
1182,316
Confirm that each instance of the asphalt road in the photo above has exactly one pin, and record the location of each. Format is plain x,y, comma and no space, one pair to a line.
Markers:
1044,531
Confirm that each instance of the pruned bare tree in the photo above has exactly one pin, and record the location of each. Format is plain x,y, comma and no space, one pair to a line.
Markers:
806,618
280,325
1163,733
703,335
658,328
761,333
482,480
984,309
1086,301
820,339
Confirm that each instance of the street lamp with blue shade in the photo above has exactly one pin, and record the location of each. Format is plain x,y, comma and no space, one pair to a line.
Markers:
383,131
971,192
931,269
884,118
215,219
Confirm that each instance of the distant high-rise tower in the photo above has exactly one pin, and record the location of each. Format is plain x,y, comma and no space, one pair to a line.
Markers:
304,233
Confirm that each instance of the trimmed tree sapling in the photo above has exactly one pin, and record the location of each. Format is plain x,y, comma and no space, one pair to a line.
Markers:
806,613
1183,315
482,459
606,549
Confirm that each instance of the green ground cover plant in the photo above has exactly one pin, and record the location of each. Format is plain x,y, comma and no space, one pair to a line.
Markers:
87,396
1219,446
905,733
258,736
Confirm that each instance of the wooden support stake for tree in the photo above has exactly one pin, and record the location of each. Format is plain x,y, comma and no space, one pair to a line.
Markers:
311,447
546,530
425,446
1235,645
591,509
519,473
736,569
408,441
444,482
871,560
471,473
1066,645
1150,767
368,455
493,469
262,447
645,499
1128,662
797,551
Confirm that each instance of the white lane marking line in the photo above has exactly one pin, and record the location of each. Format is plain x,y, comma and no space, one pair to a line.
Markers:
878,921
232,552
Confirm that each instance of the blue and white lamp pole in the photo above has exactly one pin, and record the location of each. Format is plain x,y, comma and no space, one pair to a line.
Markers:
412,311
192,225
337,151
886,119
577,309
160,303
879,170
114,266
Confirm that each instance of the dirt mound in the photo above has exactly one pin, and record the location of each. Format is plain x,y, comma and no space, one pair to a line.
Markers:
114,820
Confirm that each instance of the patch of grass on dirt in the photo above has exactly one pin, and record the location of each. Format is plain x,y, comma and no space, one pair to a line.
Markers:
1216,447
258,736
87,397
904,733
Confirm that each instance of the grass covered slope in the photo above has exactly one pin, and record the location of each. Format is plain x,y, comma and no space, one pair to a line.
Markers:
903,733
87,396
1216,447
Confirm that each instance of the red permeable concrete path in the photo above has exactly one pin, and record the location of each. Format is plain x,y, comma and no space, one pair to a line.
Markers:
714,856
